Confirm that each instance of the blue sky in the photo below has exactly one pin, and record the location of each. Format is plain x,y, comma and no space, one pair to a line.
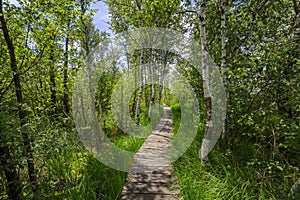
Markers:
101,19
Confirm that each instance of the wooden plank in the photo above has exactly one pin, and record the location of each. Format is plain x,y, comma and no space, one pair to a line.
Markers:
155,161
146,169
150,197
151,176
148,188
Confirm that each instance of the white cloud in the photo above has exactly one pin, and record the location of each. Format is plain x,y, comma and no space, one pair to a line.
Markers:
15,2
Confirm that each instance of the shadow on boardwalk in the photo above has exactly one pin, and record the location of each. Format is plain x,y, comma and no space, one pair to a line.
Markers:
151,176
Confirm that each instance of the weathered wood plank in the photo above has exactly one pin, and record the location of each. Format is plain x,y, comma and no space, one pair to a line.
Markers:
151,176
150,197
148,188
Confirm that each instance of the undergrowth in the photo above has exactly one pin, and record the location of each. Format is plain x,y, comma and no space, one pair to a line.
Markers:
224,177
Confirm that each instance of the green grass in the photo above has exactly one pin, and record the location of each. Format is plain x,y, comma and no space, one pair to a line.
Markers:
128,143
71,172
77,176
221,178
66,170
176,117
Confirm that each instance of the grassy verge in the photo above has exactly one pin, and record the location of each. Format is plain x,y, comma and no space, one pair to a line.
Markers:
222,178
68,171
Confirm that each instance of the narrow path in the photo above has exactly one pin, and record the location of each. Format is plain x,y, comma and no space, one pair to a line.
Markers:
151,176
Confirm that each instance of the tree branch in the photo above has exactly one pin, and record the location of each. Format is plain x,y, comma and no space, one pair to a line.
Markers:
188,11
296,7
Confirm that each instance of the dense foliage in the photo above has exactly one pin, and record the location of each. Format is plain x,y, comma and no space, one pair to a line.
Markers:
43,44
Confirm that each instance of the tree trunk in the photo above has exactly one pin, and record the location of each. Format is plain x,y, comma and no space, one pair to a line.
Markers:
223,36
205,70
161,79
297,12
145,92
223,52
85,29
66,62
152,98
14,186
19,96
121,107
139,100
52,82
133,107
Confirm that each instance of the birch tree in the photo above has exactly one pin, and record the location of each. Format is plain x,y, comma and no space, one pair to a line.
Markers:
139,6
223,36
152,98
66,106
161,73
127,15
223,49
140,94
207,94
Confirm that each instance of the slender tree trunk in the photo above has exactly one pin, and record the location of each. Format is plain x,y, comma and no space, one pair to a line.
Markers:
161,79
145,88
133,107
223,53
52,82
66,62
207,95
140,95
85,29
19,96
160,88
132,110
122,106
297,11
152,98
223,36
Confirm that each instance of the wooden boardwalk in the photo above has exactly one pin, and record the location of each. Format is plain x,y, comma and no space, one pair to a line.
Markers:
151,176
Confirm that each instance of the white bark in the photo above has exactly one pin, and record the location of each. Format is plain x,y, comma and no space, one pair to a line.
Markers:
140,95
223,51
223,36
161,78
205,70
152,98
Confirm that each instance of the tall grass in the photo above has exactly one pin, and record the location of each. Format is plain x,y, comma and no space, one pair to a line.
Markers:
66,170
221,178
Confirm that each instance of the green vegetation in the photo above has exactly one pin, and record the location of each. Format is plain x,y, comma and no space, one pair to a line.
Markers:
228,175
176,117
44,45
